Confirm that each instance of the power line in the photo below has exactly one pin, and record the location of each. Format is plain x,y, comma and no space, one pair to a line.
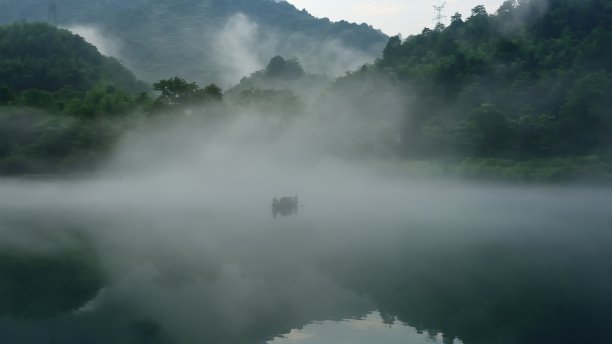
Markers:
52,12
439,16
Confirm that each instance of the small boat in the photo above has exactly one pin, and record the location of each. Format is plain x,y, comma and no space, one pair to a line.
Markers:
285,206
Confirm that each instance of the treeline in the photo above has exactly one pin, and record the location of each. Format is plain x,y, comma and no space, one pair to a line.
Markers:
57,94
54,70
531,81
63,105
44,132
155,46
525,89
39,56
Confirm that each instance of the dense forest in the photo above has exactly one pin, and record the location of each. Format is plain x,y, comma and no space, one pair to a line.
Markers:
63,106
60,100
211,38
35,56
531,81
521,94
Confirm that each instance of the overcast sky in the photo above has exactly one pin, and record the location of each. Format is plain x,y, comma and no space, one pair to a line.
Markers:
391,16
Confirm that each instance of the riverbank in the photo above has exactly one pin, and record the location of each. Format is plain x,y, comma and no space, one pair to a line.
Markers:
589,169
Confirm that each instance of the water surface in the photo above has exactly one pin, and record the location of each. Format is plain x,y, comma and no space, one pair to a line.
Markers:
161,260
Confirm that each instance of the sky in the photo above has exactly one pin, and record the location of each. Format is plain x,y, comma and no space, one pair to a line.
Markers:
391,16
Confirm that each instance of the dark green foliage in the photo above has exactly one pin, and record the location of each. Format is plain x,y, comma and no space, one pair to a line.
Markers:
6,95
210,13
156,47
213,92
585,118
38,99
285,78
279,68
62,105
104,102
492,129
40,56
531,81
37,142
177,92
46,132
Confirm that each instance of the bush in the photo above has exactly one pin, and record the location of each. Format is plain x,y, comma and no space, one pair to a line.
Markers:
16,165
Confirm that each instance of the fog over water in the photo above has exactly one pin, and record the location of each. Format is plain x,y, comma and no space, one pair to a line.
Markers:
192,254
174,241
239,47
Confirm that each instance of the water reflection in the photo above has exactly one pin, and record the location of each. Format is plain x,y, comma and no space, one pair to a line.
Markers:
370,329
479,264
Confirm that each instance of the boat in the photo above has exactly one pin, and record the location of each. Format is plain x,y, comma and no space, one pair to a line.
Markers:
285,206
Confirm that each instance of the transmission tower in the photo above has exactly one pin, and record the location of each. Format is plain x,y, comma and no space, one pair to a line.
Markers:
439,16
52,13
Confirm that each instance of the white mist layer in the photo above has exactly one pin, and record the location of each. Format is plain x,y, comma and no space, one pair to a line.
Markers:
181,218
196,244
106,46
242,47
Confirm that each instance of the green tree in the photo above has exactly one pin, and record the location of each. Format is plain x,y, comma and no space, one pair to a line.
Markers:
479,11
494,128
38,99
392,49
279,68
586,116
6,95
178,93
213,92
456,19
174,91
41,56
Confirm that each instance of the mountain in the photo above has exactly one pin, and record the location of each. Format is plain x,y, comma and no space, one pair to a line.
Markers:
531,81
62,104
40,56
209,40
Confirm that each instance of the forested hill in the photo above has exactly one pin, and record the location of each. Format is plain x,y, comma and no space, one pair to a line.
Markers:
62,103
40,56
532,80
211,40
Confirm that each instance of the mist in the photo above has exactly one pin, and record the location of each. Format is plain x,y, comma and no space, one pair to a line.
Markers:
179,223
174,239
239,47
242,47
200,255
105,45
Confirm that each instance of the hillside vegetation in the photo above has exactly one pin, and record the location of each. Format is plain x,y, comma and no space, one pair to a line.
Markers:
532,81
62,104
522,93
211,40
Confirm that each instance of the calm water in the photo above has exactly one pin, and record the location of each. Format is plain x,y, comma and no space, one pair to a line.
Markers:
365,261
370,329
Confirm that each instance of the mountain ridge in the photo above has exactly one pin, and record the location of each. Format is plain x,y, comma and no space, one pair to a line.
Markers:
207,40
